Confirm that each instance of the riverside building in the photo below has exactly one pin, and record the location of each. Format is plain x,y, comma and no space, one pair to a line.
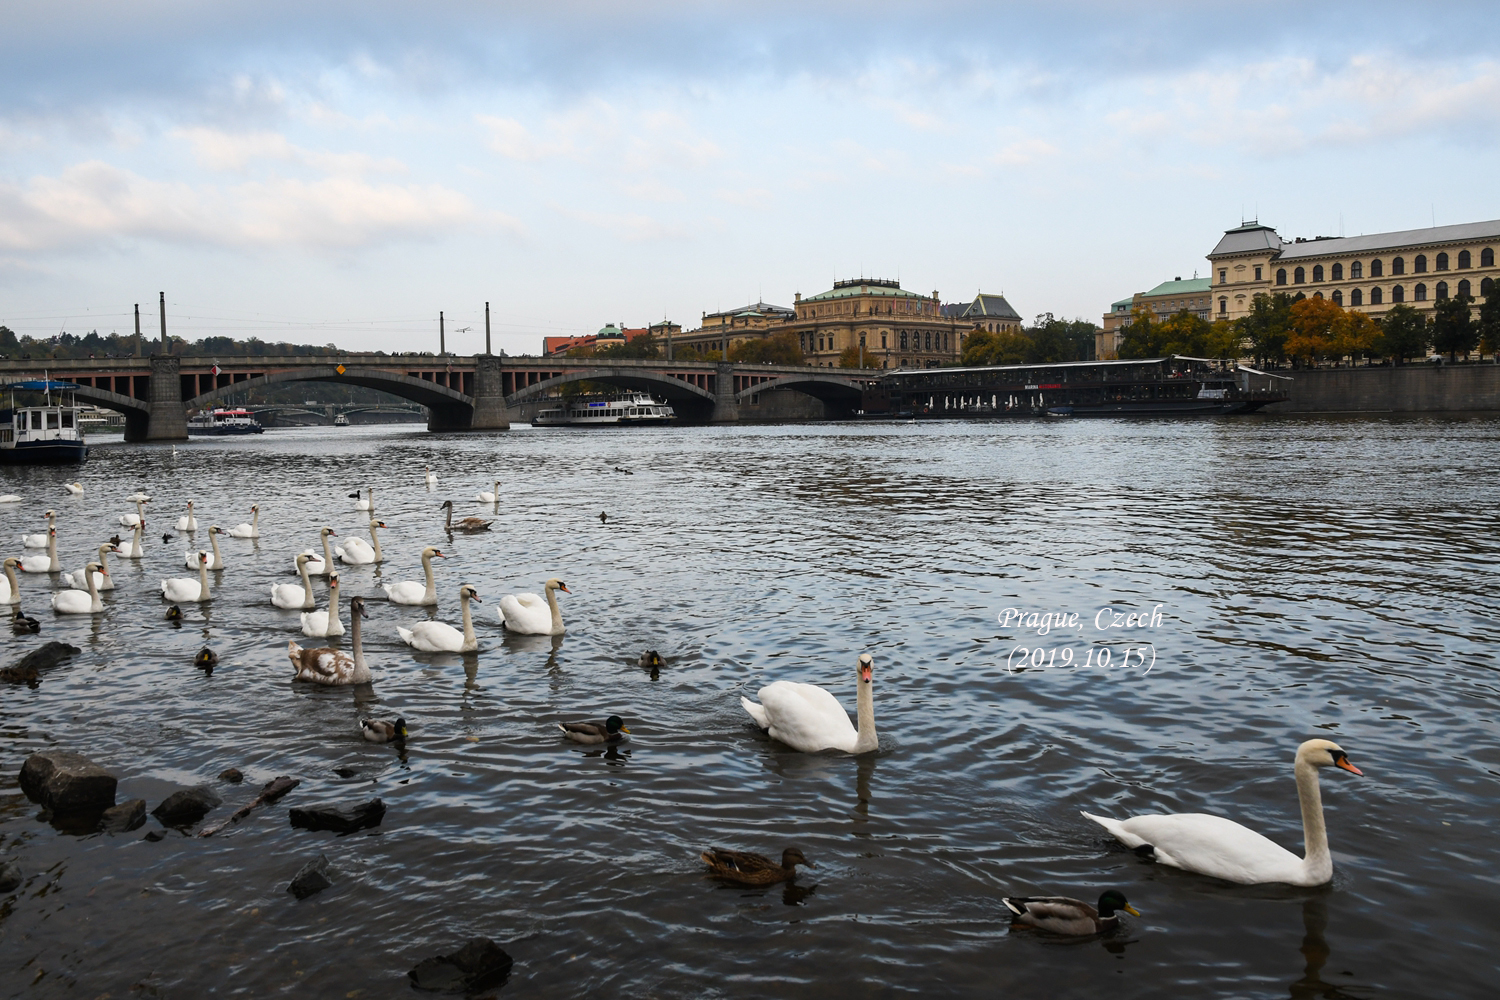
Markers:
1166,299
1417,267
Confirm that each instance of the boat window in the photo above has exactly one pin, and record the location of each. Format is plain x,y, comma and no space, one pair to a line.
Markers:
52,420
67,418
36,420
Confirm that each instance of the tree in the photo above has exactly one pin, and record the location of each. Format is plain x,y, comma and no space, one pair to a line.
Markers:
857,357
1054,339
1489,321
1142,337
1355,335
778,349
1314,325
1000,348
1453,330
1266,326
1403,333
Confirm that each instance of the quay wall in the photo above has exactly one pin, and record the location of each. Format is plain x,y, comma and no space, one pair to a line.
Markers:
1405,389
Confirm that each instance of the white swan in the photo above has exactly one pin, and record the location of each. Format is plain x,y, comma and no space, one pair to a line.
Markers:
366,504
431,477
334,666
44,564
40,541
484,497
10,498
251,530
440,637
215,559
529,615
1213,845
73,488
131,520
320,565
356,552
10,587
133,550
188,522
806,717
76,602
289,595
140,497
411,592
179,590
321,624
102,579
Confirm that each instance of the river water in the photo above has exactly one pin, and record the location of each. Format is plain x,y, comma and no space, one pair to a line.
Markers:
1328,578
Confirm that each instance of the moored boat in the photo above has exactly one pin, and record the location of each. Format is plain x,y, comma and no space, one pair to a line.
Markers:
224,422
632,408
45,434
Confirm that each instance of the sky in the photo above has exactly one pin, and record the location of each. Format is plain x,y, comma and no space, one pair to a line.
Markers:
342,172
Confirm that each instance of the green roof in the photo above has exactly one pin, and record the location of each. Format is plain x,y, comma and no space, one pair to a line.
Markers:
872,286
1193,286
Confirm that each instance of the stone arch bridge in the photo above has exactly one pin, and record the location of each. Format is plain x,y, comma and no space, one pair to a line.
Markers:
460,393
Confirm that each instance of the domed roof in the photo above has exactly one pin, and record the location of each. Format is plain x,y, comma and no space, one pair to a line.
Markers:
610,330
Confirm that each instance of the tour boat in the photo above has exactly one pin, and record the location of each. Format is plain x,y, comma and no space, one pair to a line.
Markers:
224,422
46,434
632,408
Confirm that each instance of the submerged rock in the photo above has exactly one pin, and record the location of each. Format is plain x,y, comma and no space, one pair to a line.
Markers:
311,878
479,964
339,818
124,817
45,657
186,806
233,774
66,782
10,877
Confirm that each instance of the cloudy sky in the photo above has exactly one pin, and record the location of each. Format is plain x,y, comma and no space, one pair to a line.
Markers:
340,172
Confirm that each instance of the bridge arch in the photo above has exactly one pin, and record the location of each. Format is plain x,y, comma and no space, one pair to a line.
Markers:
449,407
697,402
829,388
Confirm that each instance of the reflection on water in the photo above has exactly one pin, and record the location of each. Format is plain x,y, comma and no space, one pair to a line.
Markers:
1315,955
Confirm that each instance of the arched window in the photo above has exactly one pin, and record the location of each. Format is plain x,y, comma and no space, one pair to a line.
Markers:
929,340
1485,286
903,343
1463,289
1442,262
1317,295
1419,294
1375,297
1298,297
1357,270
1398,294
1337,272
1398,266
1223,307
1376,268
1338,297
1299,276
1487,257
1419,266
1281,274
1317,272
1442,290
1464,260
882,338
1357,297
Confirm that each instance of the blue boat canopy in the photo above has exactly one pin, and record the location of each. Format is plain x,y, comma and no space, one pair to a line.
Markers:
43,385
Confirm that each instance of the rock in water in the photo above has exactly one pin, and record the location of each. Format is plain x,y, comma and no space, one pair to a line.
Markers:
479,964
67,782
10,877
233,774
46,656
186,806
124,817
311,878
340,819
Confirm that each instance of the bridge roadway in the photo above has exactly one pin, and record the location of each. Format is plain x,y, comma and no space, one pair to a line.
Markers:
461,393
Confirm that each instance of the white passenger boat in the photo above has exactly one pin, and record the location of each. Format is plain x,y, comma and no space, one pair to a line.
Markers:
45,434
224,422
633,408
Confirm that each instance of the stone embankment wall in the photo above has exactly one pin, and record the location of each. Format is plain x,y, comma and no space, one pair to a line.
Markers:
1407,389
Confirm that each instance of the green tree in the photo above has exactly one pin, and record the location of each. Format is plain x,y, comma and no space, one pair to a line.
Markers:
777,349
1315,326
1266,326
1054,339
1489,321
854,357
1453,329
1001,348
1403,334
1143,336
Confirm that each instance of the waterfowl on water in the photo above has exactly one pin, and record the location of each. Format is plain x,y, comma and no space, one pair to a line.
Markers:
10,587
76,602
250,529
806,717
611,730
1062,915
1213,845
174,614
753,869
22,624
440,637
358,552
468,525
73,488
382,730
48,563
334,666
206,660
188,522
39,541
289,595
411,592
651,660
320,565
528,614
180,590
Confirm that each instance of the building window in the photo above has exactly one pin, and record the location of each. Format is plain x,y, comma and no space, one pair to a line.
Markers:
1442,262
1299,276
1463,289
1487,257
1419,266
1337,272
1442,290
1419,294
1317,272
1398,266
1357,297
1338,297
1223,276
1356,270
1375,297
1223,307
929,340
882,338
1317,295
1464,260
903,346
802,342
1298,297
1376,269
1281,276
1485,287
1257,272
1398,294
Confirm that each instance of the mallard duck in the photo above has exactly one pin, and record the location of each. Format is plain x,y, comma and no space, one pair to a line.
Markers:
1061,915
467,525
206,660
383,731
651,660
174,614
611,730
753,869
22,624
603,517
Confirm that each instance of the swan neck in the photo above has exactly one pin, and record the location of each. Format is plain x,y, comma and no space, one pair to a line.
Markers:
557,623
431,592
866,702
1314,832
213,540
203,576
375,544
327,554
469,635
356,646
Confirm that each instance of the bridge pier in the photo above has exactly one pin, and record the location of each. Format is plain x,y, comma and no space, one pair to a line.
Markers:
166,417
490,412
726,403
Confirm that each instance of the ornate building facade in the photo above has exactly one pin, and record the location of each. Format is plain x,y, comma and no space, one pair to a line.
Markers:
895,327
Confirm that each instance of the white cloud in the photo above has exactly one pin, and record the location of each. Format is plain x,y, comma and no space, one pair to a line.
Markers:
215,149
1024,151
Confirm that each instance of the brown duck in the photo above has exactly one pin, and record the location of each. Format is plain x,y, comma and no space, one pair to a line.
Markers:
753,869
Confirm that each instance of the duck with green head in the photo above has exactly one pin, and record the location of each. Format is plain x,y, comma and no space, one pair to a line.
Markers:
1062,915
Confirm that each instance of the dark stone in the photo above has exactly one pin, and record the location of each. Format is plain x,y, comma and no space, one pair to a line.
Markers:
20,675
186,806
346,772
46,656
155,835
479,964
10,877
233,774
341,818
124,817
67,782
311,878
